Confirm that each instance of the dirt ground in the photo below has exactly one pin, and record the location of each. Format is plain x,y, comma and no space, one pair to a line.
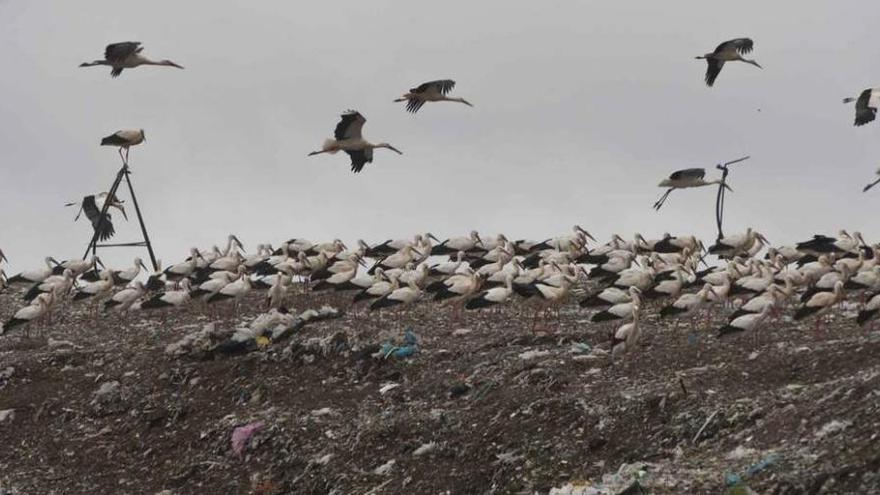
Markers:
485,405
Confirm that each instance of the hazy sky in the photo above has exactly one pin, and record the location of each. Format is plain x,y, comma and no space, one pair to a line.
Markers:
580,109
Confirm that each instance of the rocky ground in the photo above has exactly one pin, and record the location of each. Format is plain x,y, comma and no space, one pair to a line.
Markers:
480,404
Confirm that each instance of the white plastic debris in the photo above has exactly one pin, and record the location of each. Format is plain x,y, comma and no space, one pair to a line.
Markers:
384,469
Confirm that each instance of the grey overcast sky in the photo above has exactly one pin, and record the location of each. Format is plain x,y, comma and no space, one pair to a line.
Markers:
580,109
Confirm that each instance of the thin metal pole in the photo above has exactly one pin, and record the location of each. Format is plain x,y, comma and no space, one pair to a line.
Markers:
137,209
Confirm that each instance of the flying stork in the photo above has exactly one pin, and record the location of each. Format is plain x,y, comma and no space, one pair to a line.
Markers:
124,139
866,105
348,139
93,205
430,91
729,51
869,186
685,178
126,55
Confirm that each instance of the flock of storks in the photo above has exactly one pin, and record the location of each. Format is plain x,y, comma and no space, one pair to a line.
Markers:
616,281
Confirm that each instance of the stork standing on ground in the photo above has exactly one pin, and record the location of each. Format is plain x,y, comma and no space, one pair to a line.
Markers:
124,139
348,138
126,55
866,105
869,186
92,205
35,276
29,314
686,178
729,51
430,91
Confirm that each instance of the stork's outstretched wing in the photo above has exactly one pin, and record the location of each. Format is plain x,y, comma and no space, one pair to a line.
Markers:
713,69
360,158
350,125
688,173
741,45
864,112
441,86
117,52
104,228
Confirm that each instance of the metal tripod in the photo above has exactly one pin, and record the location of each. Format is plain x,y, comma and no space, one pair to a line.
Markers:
124,173
719,201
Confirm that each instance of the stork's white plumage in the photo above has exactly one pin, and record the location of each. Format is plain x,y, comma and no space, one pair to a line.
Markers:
627,336
35,276
98,289
820,302
745,321
493,296
124,299
729,51
126,55
348,138
402,296
430,91
684,179
455,244
620,311
866,106
169,298
688,303
29,314
124,140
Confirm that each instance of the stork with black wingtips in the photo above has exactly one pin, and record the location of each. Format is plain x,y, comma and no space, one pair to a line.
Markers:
124,139
348,138
430,91
866,105
92,205
126,55
684,179
729,51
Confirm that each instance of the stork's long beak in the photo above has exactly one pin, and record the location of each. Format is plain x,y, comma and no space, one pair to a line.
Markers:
143,266
122,210
466,102
99,262
432,237
392,148
239,243
756,64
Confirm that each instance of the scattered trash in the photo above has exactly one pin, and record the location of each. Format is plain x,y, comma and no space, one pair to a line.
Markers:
409,347
458,390
106,393
385,468
388,387
241,436
459,332
762,464
832,427
580,348
7,415
426,448
534,354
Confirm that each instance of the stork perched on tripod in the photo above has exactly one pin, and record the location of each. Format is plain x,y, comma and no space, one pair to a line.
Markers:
124,139
686,178
93,206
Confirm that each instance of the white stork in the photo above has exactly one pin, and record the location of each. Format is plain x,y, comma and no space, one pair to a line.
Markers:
402,296
348,138
430,91
126,55
124,139
35,276
124,299
92,205
729,51
820,303
169,298
627,336
686,178
869,186
745,321
29,314
493,296
866,105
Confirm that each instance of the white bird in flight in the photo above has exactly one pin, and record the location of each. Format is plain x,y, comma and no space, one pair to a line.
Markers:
126,55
